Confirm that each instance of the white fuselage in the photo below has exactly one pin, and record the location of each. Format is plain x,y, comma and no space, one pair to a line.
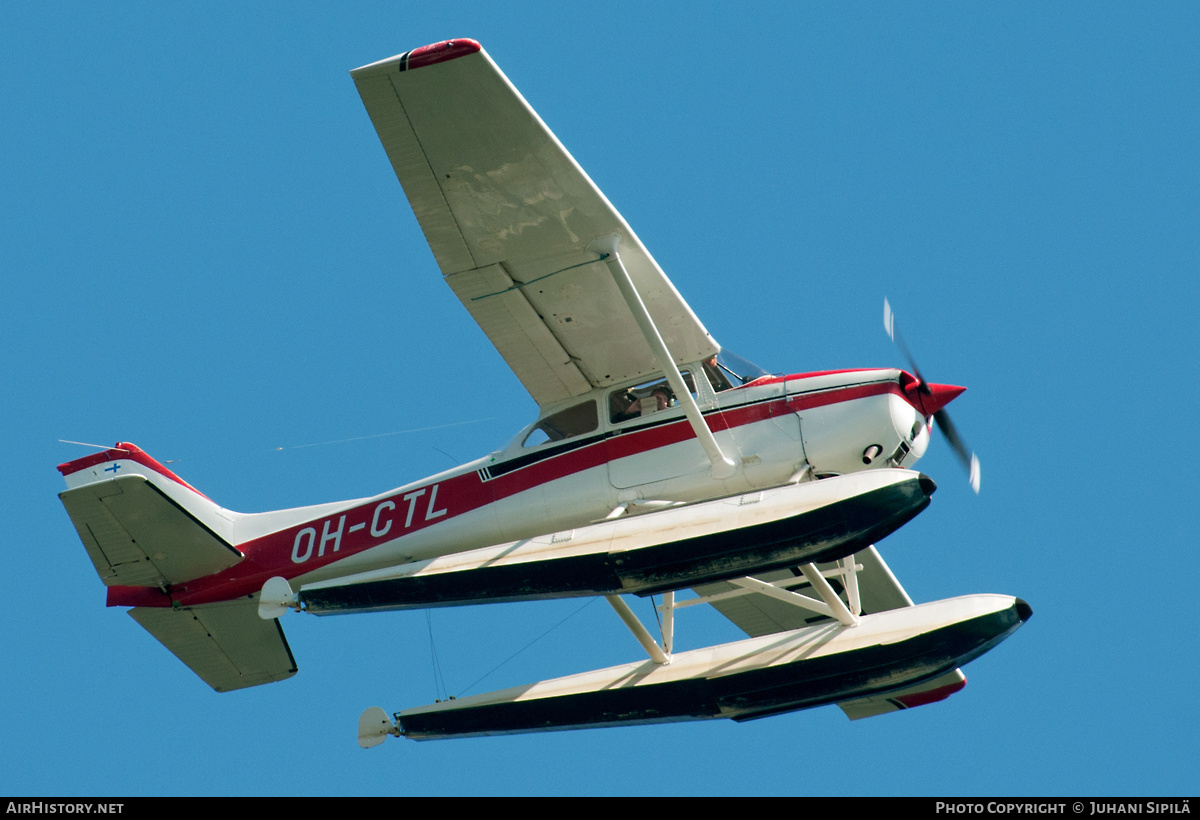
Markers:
777,429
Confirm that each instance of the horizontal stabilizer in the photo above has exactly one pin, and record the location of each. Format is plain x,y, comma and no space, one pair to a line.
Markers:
226,643
137,536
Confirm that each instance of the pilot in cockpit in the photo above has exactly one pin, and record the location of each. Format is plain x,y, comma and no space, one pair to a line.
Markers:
662,399
716,377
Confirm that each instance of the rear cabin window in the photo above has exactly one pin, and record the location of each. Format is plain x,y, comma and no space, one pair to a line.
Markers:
573,421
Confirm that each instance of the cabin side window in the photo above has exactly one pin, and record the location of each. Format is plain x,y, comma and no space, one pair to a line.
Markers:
645,399
573,421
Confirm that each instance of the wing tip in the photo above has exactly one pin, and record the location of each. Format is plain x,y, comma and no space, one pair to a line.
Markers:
425,55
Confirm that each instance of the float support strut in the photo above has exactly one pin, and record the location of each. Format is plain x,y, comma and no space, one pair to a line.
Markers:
635,626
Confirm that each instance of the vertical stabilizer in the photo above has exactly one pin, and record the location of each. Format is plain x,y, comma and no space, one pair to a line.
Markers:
141,524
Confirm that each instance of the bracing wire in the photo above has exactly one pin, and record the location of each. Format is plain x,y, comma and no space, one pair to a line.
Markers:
439,679
588,603
383,435
314,444
98,446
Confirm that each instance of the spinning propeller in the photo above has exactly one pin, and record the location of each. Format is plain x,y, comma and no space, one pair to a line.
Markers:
933,398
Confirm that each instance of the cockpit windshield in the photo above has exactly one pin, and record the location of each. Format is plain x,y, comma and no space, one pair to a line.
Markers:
731,370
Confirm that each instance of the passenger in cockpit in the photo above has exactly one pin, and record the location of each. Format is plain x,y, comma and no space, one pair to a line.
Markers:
662,399
624,405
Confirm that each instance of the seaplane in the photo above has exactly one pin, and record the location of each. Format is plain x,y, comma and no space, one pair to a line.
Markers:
659,465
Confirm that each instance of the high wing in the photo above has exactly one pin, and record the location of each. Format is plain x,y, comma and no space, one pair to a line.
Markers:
757,614
510,216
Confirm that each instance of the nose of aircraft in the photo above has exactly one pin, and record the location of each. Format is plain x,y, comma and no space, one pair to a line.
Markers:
933,397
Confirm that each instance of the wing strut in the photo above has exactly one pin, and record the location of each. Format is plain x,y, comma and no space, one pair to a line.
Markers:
647,641
722,466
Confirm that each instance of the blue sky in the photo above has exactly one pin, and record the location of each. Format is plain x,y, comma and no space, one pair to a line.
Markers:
207,254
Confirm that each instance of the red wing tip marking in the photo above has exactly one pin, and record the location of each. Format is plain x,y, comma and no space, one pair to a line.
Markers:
441,52
933,695
421,57
123,450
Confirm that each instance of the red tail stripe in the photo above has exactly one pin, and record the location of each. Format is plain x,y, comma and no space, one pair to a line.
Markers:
123,450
